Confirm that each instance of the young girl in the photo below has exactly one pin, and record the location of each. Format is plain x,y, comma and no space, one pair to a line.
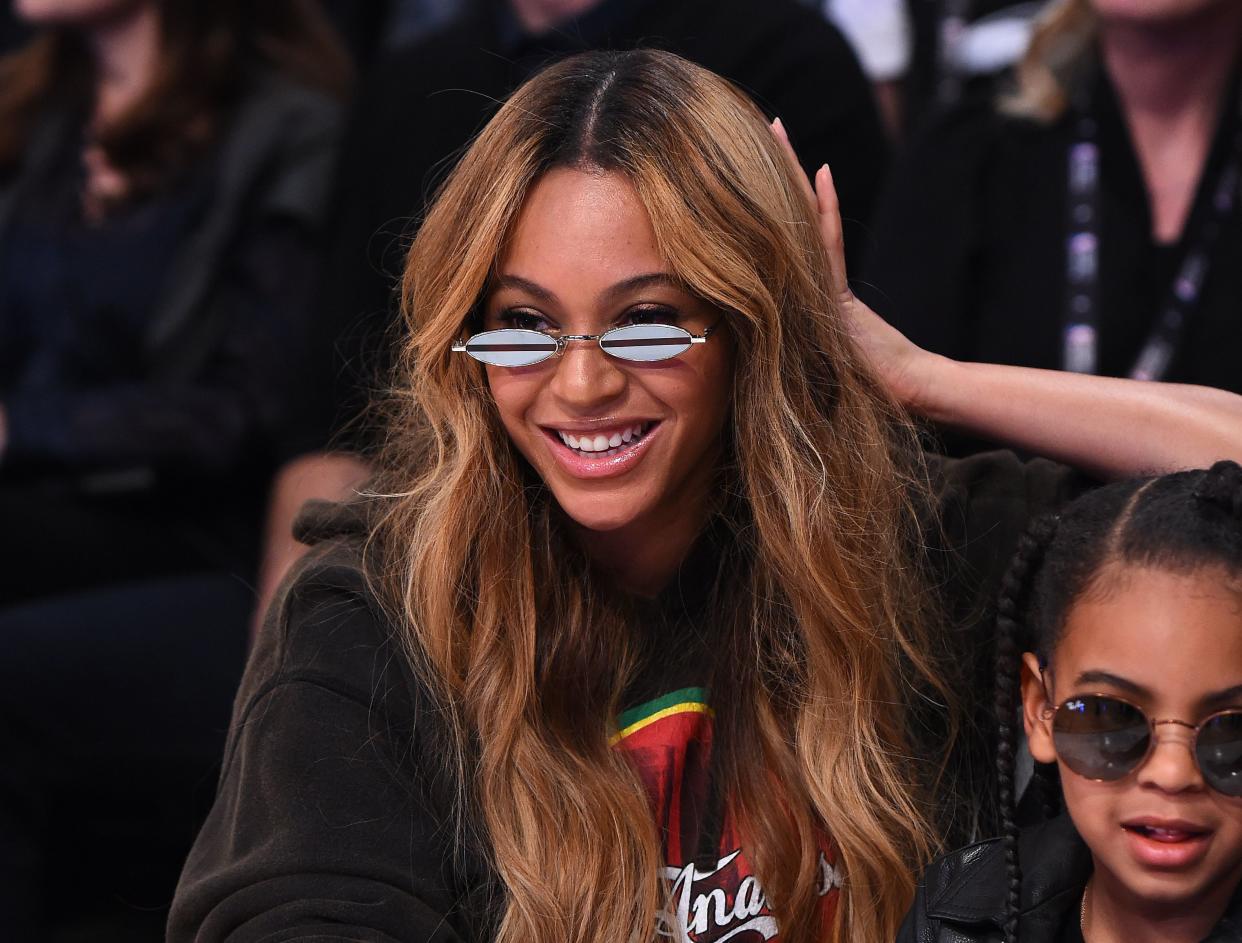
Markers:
1129,608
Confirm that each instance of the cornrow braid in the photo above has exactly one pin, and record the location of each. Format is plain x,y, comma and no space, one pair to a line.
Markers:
1010,643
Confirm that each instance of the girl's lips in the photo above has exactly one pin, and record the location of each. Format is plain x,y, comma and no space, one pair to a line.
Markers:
1167,846
582,466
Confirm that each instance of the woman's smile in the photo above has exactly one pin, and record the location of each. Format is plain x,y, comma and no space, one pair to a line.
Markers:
602,452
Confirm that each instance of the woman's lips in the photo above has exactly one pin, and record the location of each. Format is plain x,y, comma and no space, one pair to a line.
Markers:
619,462
1167,844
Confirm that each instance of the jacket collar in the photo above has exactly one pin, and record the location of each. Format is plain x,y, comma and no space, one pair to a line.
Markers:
969,887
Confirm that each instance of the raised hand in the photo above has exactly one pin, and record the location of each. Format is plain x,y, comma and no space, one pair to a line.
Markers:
901,365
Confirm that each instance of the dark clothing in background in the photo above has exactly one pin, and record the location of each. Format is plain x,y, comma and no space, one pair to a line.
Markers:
151,365
962,897
970,247
423,106
371,28
113,710
152,362
333,815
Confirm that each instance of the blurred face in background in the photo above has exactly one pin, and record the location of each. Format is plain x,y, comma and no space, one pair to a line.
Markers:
77,13
539,15
1156,12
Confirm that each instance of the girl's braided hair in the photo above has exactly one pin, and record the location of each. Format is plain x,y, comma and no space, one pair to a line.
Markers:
1180,522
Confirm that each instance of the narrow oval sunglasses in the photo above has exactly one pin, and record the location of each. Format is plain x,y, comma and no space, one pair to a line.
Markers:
638,343
1106,738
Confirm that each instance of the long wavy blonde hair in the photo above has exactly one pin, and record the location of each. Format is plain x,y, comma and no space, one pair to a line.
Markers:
824,617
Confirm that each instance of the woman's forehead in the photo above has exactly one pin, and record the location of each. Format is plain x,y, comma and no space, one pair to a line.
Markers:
577,224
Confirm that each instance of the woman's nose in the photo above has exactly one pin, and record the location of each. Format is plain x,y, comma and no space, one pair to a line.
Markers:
586,377
1171,765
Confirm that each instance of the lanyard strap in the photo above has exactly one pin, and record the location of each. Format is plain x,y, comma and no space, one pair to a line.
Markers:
1080,351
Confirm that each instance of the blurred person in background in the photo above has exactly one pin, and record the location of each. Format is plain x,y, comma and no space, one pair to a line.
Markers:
427,100
1089,221
922,55
879,32
163,166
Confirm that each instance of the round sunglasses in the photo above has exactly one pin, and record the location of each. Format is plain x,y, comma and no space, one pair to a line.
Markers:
1106,738
638,343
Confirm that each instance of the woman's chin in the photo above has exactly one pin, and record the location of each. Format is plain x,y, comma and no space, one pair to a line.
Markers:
599,512
597,519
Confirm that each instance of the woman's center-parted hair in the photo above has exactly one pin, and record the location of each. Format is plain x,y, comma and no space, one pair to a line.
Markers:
820,608
700,156
1182,523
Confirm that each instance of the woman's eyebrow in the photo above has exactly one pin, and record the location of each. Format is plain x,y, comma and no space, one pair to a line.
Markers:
1116,681
641,281
526,285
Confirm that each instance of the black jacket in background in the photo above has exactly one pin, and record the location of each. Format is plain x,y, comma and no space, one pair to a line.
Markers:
970,247
961,898
177,416
422,106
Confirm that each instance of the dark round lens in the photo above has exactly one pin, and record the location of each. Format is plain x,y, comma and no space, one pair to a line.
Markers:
1219,752
646,342
1100,737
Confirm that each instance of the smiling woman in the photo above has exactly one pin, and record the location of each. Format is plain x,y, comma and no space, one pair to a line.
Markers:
631,647
606,178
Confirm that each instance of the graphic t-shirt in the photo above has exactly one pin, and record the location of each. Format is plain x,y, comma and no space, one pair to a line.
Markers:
715,895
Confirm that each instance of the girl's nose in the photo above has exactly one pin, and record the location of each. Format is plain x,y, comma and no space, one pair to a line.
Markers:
1171,766
586,378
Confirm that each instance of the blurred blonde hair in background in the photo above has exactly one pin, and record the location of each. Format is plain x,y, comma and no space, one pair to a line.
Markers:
1060,46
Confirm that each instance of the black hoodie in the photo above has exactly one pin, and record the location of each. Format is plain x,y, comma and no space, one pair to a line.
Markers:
332,819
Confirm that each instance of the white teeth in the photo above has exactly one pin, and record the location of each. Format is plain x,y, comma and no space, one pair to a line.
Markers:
602,443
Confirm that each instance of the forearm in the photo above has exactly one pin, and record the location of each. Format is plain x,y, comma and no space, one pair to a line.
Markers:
1106,426
329,476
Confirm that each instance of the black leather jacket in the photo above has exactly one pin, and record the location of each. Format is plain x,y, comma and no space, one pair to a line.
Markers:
961,898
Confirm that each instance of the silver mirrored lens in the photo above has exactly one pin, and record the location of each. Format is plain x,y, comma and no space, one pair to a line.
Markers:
646,342
511,347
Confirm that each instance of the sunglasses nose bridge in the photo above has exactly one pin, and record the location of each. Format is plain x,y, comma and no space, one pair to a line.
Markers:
1172,770
563,340
1174,731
